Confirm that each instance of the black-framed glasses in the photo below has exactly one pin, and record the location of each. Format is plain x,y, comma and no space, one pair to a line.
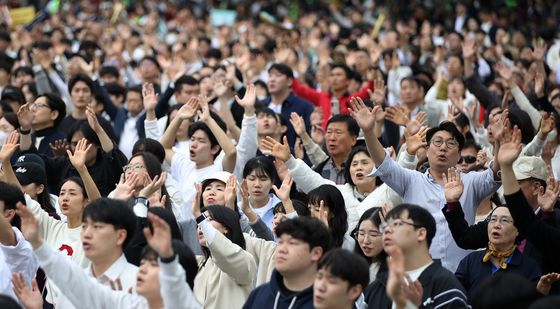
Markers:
467,159
450,143
396,224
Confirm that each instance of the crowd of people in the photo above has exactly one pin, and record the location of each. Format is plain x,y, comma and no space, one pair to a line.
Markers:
280,154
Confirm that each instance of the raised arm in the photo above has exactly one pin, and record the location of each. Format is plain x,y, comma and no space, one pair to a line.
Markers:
8,149
78,160
509,151
247,146
366,121
185,113
25,116
106,142
315,153
228,162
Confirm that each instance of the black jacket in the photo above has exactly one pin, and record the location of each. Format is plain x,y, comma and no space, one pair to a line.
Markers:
441,290
274,295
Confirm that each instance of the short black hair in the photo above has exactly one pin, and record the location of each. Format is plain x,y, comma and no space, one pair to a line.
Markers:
55,103
351,124
449,127
109,70
186,257
185,80
412,79
199,125
83,127
13,93
11,195
152,59
151,146
115,89
471,144
347,266
420,216
7,302
262,165
300,207
137,89
338,217
113,212
309,230
283,69
504,290
347,70
80,78
521,119
27,70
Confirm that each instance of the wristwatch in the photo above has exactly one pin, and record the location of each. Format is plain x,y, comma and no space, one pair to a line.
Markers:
142,200
200,218
168,259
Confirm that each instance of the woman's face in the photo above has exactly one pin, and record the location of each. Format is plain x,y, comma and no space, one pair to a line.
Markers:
136,166
259,185
71,199
213,193
360,167
369,238
217,225
33,189
278,217
147,279
91,154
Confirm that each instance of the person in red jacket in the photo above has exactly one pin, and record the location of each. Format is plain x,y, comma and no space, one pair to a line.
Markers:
336,99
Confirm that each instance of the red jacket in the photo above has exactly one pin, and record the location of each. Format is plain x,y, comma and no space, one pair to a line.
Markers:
323,99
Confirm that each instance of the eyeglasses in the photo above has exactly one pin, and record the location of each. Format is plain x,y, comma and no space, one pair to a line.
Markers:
39,105
396,224
467,159
450,143
133,168
361,235
502,220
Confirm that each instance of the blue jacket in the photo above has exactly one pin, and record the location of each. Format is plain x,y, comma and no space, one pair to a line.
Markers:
300,106
274,295
472,271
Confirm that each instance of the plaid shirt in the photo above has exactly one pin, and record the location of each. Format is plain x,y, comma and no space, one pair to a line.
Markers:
331,172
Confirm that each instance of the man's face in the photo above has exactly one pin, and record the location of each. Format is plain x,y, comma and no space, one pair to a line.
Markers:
101,240
81,95
22,78
186,92
267,124
361,61
446,154
43,115
339,140
148,70
8,214
201,150
339,80
409,92
293,256
467,161
109,78
330,291
278,82
454,67
147,279
134,103
402,233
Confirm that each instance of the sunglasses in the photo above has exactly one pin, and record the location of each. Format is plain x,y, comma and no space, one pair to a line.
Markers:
467,159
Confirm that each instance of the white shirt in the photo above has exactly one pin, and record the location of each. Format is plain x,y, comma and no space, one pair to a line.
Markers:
184,171
277,108
266,212
18,258
120,269
129,136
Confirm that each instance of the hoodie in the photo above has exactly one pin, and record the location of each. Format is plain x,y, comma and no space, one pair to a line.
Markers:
276,296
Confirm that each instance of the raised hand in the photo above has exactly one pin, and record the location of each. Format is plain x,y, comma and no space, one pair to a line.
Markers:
160,238
414,124
204,112
153,186
29,226
280,151
189,109
298,123
323,213
78,159
125,188
397,115
150,98
284,192
416,141
510,148
547,125
249,98
504,71
25,116
500,127
299,151
469,48
549,149
363,115
59,147
539,85
453,188
10,147
539,51
230,192
30,297
547,198
379,93
546,281
196,201
396,280
482,158
92,120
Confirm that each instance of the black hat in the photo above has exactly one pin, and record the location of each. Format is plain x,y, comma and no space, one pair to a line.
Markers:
29,158
30,172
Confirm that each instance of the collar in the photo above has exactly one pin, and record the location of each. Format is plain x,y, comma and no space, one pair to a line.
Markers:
45,132
113,272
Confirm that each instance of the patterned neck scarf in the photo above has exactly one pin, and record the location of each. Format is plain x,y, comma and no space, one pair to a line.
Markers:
501,256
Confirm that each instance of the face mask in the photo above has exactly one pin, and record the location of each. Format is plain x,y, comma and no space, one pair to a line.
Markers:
4,136
261,97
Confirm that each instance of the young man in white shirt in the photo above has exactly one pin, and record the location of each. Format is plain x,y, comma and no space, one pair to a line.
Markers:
16,254
208,138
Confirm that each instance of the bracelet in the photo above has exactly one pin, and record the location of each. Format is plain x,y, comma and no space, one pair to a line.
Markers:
168,260
24,132
200,218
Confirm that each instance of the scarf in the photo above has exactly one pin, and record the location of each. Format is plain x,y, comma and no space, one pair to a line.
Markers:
501,256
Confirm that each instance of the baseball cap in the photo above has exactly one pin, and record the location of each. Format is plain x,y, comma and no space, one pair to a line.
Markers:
30,158
221,176
530,167
30,172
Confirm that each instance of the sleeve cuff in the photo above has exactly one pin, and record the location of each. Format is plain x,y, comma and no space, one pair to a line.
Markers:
208,230
292,215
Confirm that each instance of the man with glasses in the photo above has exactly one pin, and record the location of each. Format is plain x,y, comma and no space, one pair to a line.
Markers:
408,233
44,116
426,189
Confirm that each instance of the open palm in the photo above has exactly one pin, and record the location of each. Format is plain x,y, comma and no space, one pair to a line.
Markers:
453,188
280,151
78,158
510,148
362,114
10,147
